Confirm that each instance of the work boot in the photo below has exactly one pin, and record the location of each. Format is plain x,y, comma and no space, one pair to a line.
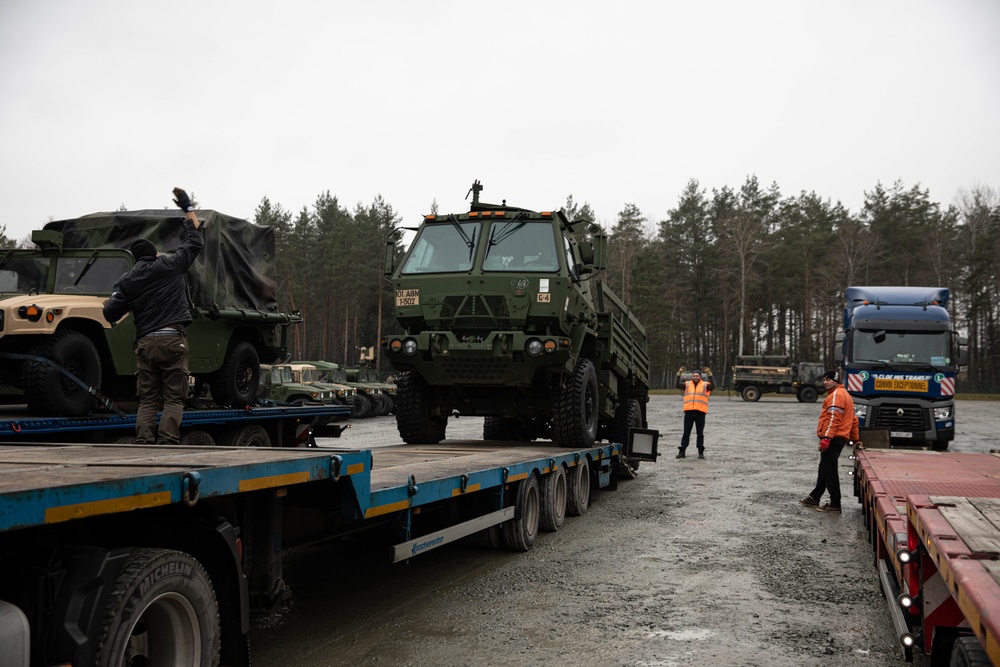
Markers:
809,501
680,454
828,508
701,453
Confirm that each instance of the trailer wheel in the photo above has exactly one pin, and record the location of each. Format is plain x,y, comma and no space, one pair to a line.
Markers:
750,393
196,437
578,488
247,435
968,652
416,424
520,532
574,417
808,394
490,538
554,494
162,602
50,393
236,383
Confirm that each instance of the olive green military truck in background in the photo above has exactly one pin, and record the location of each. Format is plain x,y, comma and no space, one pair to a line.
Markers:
52,297
504,315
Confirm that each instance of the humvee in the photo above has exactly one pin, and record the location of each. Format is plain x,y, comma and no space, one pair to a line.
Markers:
52,297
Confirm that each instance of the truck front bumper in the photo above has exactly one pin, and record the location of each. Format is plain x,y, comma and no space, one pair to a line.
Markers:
498,358
908,420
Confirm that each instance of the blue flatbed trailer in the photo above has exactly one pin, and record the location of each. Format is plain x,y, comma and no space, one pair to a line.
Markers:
111,553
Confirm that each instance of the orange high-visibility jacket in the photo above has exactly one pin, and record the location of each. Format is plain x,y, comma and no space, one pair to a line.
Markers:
837,418
696,396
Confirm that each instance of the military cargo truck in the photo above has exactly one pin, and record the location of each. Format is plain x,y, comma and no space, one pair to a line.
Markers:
51,301
766,374
504,315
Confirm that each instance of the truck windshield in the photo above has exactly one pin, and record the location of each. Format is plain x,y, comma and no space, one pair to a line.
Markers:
89,275
23,274
902,347
282,374
447,247
310,375
521,246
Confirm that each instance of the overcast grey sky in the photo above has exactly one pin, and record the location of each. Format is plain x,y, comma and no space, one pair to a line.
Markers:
104,104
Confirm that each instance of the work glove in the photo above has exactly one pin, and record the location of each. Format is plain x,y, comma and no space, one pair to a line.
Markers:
706,370
681,369
824,444
182,200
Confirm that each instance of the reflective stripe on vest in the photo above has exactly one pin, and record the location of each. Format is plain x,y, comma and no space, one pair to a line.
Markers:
696,398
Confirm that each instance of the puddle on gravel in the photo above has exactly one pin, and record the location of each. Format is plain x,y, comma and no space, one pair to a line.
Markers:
694,634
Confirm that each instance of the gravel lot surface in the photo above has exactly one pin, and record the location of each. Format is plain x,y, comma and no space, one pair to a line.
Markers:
696,562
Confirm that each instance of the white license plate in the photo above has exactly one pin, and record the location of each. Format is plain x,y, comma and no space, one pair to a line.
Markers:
900,434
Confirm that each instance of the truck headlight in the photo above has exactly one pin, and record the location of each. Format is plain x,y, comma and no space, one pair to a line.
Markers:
943,413
410,346
534,347
860,411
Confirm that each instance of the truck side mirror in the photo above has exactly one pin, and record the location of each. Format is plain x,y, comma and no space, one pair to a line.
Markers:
389,261
963,351
600,243
838,348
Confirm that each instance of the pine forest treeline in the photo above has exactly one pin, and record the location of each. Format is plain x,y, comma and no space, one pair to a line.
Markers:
744,270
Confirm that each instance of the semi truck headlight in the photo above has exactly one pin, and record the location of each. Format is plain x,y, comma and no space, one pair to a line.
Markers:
534,347
942,413
860,411
410,346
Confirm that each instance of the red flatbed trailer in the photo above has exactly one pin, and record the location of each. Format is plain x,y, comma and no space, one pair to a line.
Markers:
933,519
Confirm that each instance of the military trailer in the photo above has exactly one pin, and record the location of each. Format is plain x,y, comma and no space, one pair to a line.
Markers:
54,340
505,315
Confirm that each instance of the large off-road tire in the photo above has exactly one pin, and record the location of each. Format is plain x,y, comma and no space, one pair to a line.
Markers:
47,391
555,490
520,532
575,414
236,383
361,407
968,652
808,394
578,489
246,435
750,393
384,405
627,415
502,428
416,424
162,611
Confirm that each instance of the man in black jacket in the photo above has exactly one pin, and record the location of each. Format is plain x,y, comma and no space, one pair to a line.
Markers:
154,291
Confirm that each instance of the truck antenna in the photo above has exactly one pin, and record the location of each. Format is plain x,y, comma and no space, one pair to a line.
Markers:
475,190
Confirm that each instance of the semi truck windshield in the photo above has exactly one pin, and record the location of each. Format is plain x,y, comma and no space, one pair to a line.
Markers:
902,347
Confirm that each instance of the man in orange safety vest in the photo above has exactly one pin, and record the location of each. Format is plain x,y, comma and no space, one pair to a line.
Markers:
696,393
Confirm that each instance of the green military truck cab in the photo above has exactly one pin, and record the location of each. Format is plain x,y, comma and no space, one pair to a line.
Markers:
52,298
504,315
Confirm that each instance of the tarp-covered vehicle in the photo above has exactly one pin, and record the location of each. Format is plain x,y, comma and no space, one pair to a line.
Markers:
51,302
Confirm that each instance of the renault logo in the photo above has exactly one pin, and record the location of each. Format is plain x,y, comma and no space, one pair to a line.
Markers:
899,412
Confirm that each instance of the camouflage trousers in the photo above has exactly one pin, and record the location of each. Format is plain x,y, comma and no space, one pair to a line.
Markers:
162,384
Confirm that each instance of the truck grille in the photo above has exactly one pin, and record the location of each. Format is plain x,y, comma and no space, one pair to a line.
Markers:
901,418
473,310
474,370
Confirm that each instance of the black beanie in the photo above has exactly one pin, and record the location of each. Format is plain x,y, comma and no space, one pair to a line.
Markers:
142,248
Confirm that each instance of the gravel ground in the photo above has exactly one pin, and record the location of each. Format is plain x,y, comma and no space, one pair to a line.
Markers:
696,562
